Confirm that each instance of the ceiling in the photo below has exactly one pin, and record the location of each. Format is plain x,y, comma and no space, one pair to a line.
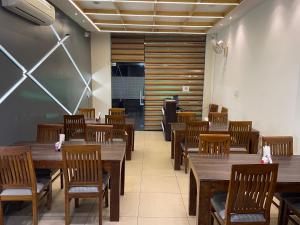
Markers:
149,16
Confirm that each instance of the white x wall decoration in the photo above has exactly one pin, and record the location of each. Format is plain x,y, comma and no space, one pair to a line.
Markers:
28,74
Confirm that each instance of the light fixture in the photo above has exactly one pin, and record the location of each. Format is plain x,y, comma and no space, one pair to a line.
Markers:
151,32
152,25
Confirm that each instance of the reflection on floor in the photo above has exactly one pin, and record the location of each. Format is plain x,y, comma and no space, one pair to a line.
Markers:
154,193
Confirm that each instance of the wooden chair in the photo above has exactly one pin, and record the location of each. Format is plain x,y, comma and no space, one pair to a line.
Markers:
279,145
49,133
244,126
292,207
213,108
99,133
218,119
116,111
89,113
240,136
118,123
191,142
74,127
183,117
214,144
249,197
83,176
18,181
224,110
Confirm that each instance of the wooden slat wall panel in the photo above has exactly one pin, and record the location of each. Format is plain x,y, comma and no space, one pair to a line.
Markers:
170,63
127,48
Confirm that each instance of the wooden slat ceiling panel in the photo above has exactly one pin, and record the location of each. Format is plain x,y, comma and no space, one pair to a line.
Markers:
170,63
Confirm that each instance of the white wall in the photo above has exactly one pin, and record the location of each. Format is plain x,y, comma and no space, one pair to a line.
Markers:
101,70
259,80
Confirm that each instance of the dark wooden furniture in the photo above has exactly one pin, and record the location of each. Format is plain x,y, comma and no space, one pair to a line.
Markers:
209,175
279,145
224,110
243,126
240,135
113,161
213,108
118,123
83,175
116,111
18,181
249,197
218,119
169,116
183,117
74,127
89,113
178,133
49,133
99,133
292,207
214,144
191,139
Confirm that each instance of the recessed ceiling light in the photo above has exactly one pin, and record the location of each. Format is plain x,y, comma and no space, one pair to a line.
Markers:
230,17
76,14
83,21
221,24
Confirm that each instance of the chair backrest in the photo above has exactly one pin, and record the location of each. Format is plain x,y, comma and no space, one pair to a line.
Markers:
218,119
99,133
240,139
74,126
16,168
118,123
49,133
214,144
89,113
213,108
279,145
224,110
192,131
116,111
82,165
240,126
251,189
183,117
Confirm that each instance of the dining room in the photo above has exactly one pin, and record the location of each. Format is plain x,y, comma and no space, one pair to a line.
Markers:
150,112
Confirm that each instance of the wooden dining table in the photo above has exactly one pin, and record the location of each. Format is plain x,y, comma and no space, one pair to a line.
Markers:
113,158
211,174
178,132
130,130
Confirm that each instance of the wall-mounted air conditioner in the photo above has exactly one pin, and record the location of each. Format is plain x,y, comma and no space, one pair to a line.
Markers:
38,11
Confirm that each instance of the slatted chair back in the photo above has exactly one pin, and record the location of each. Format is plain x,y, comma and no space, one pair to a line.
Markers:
224,110
16,168
218,119
243,126
279,145
82,166
214,144
116,111
240,139
49,133
118,123
213,108
99,133
183,117
193,130
251,190
74,127
89,113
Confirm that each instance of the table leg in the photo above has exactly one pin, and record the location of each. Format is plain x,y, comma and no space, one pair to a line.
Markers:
192,194
133,133
123,176
203,205
177,152
281,213
172,144
254,142
115,191
129,142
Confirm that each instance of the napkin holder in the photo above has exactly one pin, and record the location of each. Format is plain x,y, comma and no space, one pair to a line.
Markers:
58,144
266,158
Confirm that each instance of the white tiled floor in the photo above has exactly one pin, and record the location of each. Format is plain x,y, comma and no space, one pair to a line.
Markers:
154,193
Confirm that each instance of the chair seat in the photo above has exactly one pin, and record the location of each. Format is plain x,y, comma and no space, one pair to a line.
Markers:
189,149
41,184
284,195
91,189
218,202
294,204
238,150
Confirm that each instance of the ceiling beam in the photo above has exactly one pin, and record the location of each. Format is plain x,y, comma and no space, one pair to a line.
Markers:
154,14
150,13
118,11
191,2
149,30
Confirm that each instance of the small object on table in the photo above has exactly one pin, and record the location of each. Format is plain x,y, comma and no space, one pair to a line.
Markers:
98,118
266,159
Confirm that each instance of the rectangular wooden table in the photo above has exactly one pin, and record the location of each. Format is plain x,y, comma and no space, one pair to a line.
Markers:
113,158
177,136
209,175
129,127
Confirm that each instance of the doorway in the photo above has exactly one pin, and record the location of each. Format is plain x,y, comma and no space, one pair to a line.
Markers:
128,90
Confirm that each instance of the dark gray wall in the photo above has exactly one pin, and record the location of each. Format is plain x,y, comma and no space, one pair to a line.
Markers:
29,105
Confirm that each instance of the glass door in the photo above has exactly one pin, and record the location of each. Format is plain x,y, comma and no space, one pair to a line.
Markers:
128,90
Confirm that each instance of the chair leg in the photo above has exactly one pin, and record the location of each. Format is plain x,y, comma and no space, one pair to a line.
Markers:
106,198
100,209
186,162
67,210
49,197
1,213
285,218
76,202
34,211
61,179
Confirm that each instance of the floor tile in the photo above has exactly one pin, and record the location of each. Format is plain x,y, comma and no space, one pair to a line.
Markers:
133,184
154,184
163,221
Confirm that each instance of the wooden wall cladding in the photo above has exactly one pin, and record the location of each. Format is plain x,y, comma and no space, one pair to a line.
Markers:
170,63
